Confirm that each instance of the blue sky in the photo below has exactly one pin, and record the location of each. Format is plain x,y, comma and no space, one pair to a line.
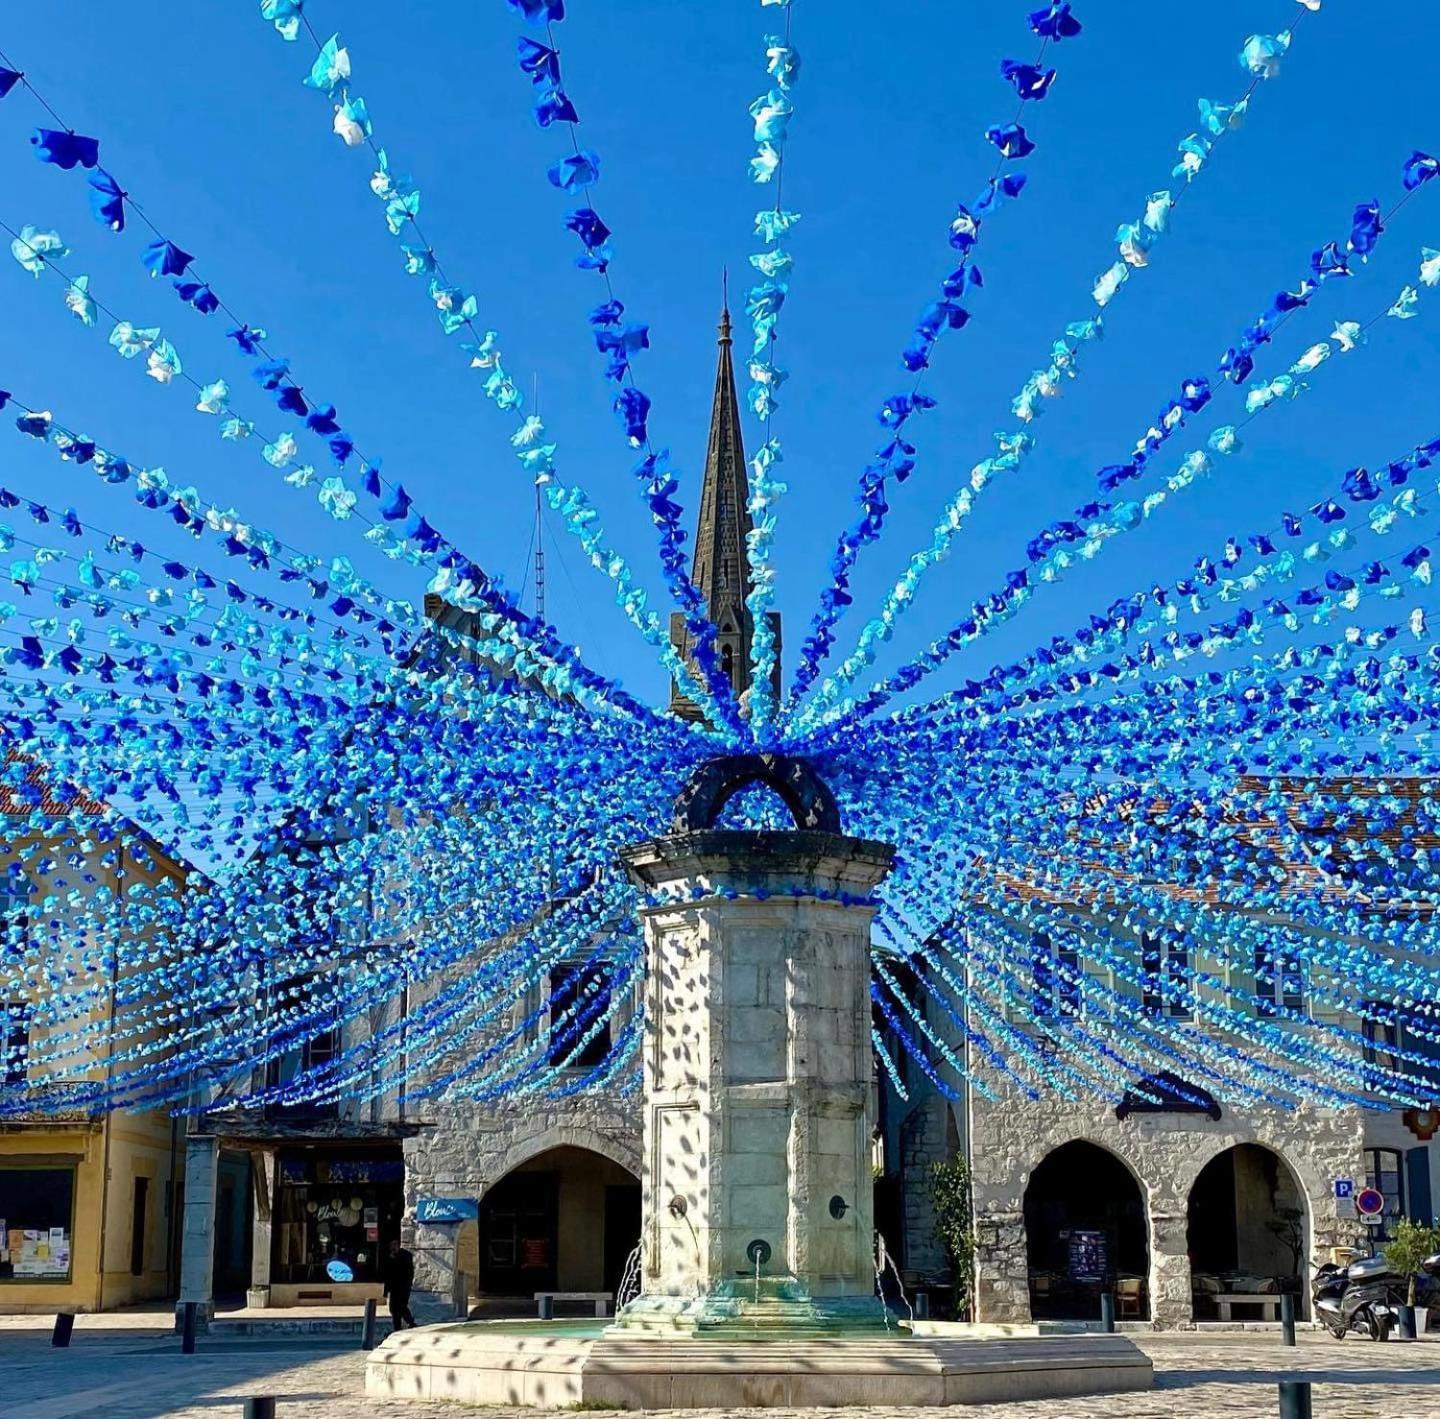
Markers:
203,117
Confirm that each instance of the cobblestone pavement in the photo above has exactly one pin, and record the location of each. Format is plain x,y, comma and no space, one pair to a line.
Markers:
1196,1378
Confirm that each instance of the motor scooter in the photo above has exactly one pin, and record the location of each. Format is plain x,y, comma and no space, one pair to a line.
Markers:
1357,1297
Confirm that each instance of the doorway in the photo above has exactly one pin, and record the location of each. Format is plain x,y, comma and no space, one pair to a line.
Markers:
1085,1234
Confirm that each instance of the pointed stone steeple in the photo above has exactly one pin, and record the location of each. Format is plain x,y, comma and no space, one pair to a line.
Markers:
719,567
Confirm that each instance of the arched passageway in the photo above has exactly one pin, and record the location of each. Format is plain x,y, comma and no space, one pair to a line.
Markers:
565,1220
1085,1234
1246,1233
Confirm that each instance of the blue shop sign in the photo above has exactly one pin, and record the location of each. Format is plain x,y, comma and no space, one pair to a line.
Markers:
446,1209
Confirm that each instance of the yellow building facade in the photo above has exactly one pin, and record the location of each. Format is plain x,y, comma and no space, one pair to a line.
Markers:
90,1201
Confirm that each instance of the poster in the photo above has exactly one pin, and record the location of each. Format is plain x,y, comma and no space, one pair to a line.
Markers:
1088,1256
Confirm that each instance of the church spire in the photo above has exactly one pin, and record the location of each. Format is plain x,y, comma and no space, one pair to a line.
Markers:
719,567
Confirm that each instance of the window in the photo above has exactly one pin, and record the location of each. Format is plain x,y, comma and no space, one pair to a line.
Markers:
1166,968
1056,971
1279,980
14,908
37,1205
578,998
1385,1172
1381,1028
14,1068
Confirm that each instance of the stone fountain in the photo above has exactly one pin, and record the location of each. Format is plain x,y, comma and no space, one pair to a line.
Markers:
757,1258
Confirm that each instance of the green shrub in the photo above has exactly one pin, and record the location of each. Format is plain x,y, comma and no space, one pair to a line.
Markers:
954,1220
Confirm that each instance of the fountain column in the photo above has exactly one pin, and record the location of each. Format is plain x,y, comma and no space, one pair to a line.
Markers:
758,1075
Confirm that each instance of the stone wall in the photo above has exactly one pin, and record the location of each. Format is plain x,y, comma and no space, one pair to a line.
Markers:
463,1150
1165,1152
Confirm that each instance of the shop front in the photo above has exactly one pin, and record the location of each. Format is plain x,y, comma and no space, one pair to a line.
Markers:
336,1211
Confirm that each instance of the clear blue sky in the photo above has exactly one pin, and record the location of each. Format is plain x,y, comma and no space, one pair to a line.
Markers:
202,115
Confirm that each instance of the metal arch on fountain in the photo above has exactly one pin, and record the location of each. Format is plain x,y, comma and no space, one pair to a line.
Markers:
701,802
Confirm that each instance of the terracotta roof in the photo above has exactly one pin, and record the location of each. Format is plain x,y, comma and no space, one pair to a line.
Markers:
21,795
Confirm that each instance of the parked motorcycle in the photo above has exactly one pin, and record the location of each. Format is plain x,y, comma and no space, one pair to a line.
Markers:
1357,1297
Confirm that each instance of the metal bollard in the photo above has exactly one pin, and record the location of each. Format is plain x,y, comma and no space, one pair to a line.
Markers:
187,1333
1287,1319
260,1407
1107,1312
367,1335
1295,1400
64,1324
1407,1322
922,1305
460,1295
547,1307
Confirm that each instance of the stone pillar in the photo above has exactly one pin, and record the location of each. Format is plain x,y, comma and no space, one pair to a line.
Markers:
262,1179
1002,1277
197,1245
1171,1304
757,1077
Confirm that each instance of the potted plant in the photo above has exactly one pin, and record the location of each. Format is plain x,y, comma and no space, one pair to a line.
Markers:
1405,1251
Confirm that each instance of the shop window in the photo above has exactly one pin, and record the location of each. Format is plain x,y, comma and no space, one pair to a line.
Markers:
1385,1172
578,998
37,1220
1279,981
1166,968
16,1061
335,1214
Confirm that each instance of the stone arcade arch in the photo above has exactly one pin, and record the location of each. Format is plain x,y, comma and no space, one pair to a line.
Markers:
1086,1232
563,1214
1247,1230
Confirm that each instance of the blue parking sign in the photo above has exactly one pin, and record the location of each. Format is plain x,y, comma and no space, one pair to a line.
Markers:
1344,1187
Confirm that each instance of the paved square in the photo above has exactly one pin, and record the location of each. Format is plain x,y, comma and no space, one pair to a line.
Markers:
1196,1378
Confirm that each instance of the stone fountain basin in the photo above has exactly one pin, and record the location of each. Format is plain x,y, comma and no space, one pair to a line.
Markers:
555,1363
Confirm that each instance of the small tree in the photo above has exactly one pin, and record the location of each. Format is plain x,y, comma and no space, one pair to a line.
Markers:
1410,1246
950,1196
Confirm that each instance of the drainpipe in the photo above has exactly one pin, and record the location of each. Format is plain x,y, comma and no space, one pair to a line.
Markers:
109,1079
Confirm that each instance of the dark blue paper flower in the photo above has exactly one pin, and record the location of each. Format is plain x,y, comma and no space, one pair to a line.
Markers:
633,407
341,446
1195,394
322,420
8,79
1055,22
290,400
64,149
107,200
1366,228
586,224
554,106
1029,81
1236,364
270,373
199,295
1011,139
396,504
1330,261
247,339
1420,167
576,172
539,61
607,314
1359,486
163,258
539,12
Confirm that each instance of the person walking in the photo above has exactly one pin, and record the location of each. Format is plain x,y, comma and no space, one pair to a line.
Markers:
399,1279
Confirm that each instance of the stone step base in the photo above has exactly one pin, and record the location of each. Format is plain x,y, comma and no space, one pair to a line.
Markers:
500,1363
